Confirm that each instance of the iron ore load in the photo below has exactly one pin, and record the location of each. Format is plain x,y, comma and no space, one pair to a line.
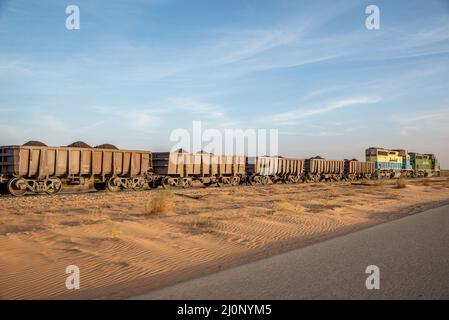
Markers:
37,168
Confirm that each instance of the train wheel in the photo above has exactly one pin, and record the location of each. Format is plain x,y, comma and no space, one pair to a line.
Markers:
220,182
235,181
112,185
207,182
138,184
138,187
55,186
17,187
310,178
153,184
186,183
265,180
224,181
252,180
166,183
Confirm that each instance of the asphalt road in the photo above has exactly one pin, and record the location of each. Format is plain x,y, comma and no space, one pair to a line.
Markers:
412,254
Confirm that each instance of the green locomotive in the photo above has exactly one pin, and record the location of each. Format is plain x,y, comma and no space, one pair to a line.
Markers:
424,164
399,162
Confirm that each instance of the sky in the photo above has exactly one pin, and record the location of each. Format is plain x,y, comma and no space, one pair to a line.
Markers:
137,70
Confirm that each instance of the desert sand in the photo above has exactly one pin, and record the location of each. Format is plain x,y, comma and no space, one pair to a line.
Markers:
129,243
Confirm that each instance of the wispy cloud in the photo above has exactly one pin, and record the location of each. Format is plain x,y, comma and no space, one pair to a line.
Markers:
433,121
144,119
293,116
196,106
234,52
306,63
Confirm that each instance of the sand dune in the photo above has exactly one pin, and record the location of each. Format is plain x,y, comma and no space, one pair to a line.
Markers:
124,246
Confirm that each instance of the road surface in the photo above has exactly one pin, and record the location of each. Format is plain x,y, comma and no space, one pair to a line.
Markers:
412,254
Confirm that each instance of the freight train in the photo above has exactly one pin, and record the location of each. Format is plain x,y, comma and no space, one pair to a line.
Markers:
37,168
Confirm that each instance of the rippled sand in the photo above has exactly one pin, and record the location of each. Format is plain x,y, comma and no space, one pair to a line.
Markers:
125,247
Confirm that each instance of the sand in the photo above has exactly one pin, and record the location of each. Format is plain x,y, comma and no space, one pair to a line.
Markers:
129,243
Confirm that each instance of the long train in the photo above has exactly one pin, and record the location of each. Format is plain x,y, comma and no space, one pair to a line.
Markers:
34,168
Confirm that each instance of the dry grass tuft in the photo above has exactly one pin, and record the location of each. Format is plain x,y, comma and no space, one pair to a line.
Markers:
332,193
95,218
401,183
349,193
376,186
115,234
380,182
202,222
327,204
199,224
321,205
283,206
159,203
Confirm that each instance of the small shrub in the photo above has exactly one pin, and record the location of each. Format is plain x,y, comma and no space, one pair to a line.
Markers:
380,182
114,234
202,222
159,203
327,204
332,193
199,224
401,183
283,206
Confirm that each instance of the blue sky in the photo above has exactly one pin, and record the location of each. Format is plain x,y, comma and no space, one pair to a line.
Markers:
136,70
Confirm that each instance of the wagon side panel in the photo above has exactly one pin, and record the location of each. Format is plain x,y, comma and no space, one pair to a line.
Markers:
206,162
215,165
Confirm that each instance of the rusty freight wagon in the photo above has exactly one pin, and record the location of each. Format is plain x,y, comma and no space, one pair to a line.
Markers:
265,170
181,168
355,169
42,169
318,169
